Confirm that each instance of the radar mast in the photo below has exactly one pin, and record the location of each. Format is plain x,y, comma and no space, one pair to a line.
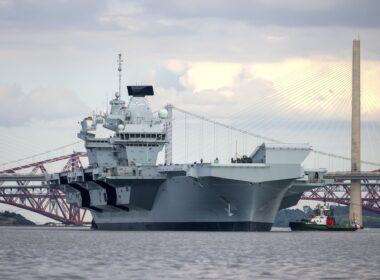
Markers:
119,62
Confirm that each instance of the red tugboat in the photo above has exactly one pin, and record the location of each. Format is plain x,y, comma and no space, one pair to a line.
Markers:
321,220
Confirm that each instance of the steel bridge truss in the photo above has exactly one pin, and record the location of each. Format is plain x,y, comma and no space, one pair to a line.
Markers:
51,203
45,201
339,192
41,199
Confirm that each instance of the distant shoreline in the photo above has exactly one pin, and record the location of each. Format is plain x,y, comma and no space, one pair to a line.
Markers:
14,219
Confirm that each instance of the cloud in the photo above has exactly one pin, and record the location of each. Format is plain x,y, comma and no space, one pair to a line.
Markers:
153,31
168,79
173,17
349,13
318,89
52,15
18,108
203,76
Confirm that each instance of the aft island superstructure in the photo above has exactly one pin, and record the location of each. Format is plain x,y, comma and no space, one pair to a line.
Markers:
125,188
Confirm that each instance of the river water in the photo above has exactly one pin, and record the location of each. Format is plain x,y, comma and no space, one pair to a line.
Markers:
72,253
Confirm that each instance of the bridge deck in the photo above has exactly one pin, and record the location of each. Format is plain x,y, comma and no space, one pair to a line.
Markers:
21,177
353,175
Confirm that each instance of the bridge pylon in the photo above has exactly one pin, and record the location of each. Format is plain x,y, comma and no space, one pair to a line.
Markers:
355,215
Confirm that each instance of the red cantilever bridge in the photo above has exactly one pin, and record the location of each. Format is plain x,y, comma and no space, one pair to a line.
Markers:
51,203
41,199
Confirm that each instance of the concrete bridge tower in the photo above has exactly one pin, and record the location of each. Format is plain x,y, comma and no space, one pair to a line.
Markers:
356,200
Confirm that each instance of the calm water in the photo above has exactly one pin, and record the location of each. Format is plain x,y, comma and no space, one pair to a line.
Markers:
53,253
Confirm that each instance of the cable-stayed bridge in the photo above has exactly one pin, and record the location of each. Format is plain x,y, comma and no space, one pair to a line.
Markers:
305,105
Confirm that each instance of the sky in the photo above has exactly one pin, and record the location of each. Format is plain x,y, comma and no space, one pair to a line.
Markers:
277,68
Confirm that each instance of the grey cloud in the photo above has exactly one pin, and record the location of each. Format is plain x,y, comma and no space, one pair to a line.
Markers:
350,13
253,30
51,14
249,31
168,80
18,108
238,42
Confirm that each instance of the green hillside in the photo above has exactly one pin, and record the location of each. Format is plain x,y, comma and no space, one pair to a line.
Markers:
10,218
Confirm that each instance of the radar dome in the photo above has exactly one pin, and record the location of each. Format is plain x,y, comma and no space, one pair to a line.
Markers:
163,114
120,127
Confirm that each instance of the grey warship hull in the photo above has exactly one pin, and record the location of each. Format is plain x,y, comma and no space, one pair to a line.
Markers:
201,197
184,203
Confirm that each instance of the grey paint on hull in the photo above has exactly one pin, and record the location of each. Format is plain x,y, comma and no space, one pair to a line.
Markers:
207,200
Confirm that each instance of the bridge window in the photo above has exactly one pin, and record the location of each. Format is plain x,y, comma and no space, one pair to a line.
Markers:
122,136
126,136
163,136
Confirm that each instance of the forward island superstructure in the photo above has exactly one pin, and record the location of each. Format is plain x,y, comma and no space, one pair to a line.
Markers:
125,188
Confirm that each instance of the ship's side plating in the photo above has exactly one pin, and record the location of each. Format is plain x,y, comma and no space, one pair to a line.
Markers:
124,188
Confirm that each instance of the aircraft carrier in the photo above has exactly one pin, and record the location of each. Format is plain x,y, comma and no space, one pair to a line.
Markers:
125,188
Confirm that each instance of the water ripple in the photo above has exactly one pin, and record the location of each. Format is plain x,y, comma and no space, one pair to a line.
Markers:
56,253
